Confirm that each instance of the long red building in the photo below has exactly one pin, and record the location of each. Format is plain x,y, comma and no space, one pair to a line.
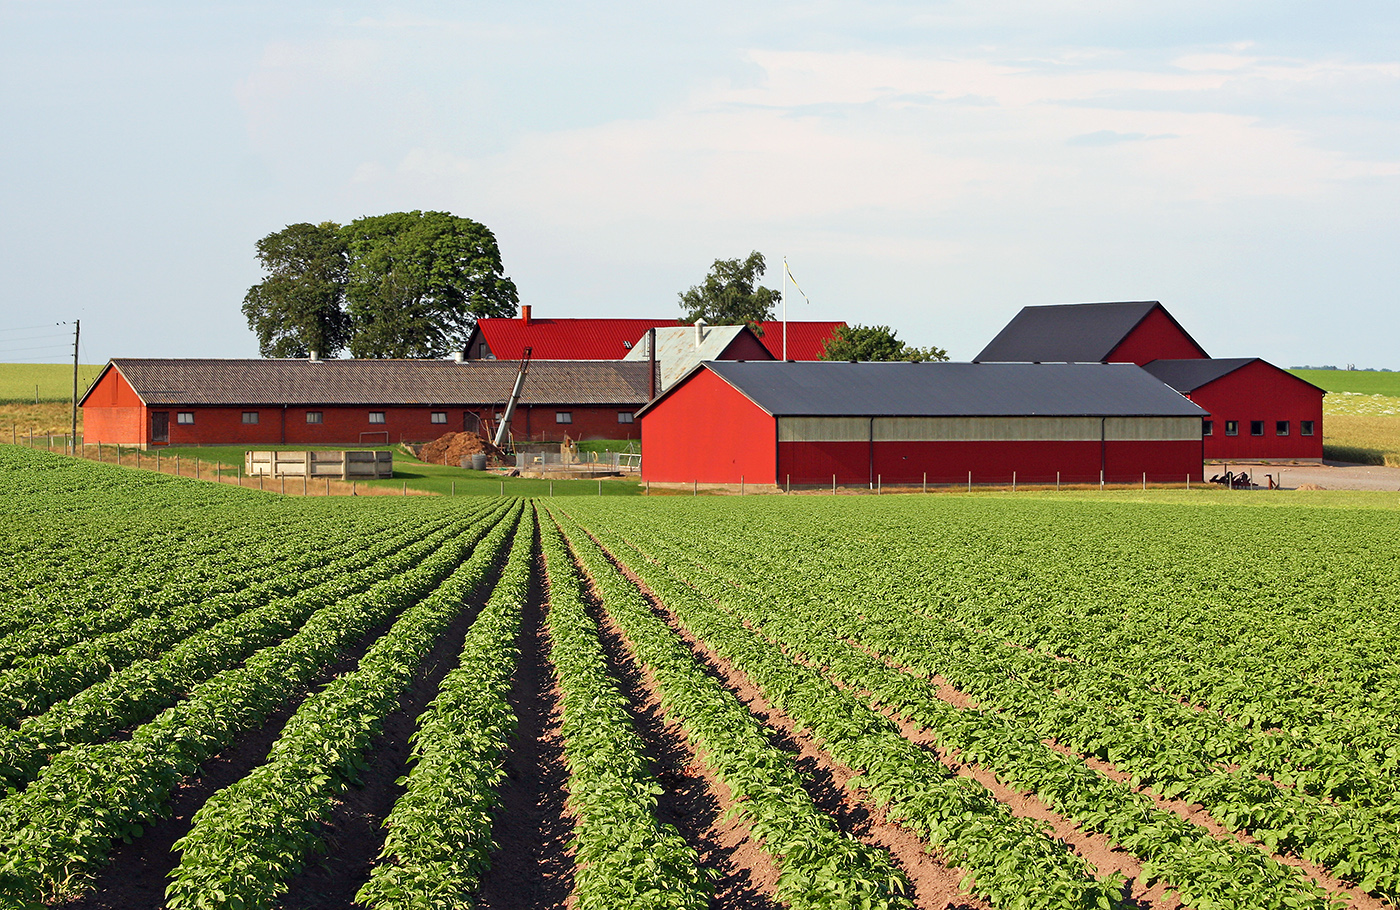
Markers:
158,402
858,423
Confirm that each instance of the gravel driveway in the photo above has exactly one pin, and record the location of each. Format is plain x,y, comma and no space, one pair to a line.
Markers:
1332,475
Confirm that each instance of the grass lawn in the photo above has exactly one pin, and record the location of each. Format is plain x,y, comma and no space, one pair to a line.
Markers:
1365,382
54,381
428,478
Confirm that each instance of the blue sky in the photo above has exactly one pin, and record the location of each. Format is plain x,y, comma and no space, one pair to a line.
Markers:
930,166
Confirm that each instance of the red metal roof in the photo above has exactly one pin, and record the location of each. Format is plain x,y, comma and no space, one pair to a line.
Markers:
611,339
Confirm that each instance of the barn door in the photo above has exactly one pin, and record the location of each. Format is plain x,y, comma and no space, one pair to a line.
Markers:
160,427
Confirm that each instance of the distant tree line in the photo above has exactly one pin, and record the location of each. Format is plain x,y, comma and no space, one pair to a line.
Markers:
407,284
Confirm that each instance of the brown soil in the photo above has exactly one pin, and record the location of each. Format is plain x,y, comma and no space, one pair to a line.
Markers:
532,866
137,873
355,834
452,448
693,799
934,884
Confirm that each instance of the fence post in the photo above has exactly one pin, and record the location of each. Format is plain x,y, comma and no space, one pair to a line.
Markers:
600,486
503,487
1188,481
454,488
177,459
328,485
926,481
1013,481
879,484
789,484
284,484
969,481
551,488
833,484
1144,481
741,484
1057,481
1100,480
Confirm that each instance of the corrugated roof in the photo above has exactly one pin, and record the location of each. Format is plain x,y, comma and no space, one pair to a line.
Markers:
1071,332
1189,375
389,382
900,389
676,350
612,339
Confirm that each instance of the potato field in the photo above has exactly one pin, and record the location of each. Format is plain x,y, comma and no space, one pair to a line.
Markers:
213,697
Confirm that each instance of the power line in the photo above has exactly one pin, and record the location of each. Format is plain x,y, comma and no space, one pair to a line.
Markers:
30,328
44,347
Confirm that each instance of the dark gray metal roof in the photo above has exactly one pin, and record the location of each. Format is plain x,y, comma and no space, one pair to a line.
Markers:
1189,375
834,389
388,382
1071,332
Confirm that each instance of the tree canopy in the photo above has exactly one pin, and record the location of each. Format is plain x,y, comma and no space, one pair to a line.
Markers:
875,342
298,307
407,284
730,294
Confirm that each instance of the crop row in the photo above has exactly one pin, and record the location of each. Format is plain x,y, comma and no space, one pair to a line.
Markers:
250,838
818,865
134,694
1172,850
439,832
55,831
99,599
1159,744
1009,860
29,689
624,856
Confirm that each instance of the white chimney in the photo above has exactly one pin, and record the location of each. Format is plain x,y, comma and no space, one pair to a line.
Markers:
315,356
459,356
699,332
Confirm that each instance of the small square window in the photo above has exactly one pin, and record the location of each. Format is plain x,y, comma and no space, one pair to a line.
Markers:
250,416
439,417
1207,427
184,416
314,416
624,416
376,416
1256,428
1280,428
1232,428
563,416
1305,428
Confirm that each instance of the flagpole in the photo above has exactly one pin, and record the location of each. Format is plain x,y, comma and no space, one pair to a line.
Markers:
784,309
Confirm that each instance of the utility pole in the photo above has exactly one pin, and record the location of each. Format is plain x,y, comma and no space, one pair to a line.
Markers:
77,326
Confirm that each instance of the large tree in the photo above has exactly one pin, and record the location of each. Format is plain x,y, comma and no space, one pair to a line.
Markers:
730,294
874,342
297,308
419,281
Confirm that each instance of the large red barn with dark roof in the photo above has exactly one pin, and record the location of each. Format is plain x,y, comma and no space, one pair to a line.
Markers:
1258,412
611,339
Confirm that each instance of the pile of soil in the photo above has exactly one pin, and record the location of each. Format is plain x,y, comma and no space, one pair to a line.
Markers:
452,448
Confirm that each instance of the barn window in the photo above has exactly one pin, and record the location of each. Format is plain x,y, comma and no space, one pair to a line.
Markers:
250,416
1256,428
314,416
1232,428
563,416
439,417
1207,427
184,416
1305,428
1280,428
624,416
376,416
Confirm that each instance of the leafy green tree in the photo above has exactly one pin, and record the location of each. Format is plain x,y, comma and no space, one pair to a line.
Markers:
297,308
730,294
419,281
875,342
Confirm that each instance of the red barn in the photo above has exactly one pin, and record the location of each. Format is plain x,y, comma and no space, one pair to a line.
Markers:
613,339
155,402
858,423
1258,411
1137,333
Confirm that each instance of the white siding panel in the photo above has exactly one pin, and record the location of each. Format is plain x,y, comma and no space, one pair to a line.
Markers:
1135,429
823,429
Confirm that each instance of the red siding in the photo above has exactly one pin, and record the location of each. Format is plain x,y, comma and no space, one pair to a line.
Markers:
1157,337
706,431
989,462
112,412
1261,391
746,347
